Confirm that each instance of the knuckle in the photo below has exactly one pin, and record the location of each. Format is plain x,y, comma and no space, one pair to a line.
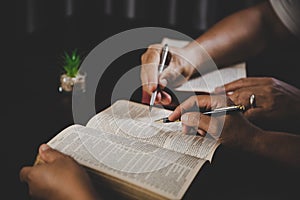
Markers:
235,98
194,99
143,57
153,55
30,176
151,47
150,57
154,46
271,79
273,82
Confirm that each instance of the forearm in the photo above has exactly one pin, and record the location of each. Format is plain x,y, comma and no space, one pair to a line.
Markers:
278,146
241,35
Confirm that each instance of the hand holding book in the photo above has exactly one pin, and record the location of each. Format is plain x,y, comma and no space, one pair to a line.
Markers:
57,176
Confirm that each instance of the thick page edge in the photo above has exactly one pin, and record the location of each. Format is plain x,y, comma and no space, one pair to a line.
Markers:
125,181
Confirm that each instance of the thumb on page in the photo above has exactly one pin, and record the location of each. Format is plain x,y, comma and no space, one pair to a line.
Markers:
48,155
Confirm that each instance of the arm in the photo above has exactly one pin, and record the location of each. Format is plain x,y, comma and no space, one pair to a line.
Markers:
280,146
242,35
233,39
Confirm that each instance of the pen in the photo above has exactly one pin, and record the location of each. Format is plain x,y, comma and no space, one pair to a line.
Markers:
163,59
215,111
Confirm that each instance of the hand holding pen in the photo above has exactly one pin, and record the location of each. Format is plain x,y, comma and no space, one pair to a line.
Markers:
214,106
180,67
216,111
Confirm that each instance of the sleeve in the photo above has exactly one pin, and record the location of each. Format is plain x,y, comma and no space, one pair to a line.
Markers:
288,12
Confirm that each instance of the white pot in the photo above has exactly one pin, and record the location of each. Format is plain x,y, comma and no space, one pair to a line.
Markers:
67,83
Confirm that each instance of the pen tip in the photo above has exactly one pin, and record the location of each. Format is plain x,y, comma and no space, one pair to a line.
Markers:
150,108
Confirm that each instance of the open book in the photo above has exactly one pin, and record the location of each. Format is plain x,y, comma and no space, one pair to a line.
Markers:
141,158
209,81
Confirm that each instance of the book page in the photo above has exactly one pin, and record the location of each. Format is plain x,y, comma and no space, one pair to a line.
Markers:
162,171
209,81
133,120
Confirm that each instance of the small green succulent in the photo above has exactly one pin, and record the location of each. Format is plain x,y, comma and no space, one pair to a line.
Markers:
72,63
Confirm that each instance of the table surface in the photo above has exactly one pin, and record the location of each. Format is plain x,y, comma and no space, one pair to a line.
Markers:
34,111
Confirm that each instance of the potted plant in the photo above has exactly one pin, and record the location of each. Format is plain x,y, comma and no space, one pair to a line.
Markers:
71,75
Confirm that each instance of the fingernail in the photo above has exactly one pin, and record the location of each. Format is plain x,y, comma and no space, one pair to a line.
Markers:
202,133
44,147
185,129
191,119
217,89
184,118
163,82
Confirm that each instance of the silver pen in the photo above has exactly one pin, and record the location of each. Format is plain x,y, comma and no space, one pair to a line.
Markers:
163,59
215,111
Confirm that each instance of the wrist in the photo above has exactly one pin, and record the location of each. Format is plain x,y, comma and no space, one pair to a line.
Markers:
199,58
252,138
194,53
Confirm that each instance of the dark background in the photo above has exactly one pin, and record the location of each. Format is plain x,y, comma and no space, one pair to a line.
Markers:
34,110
